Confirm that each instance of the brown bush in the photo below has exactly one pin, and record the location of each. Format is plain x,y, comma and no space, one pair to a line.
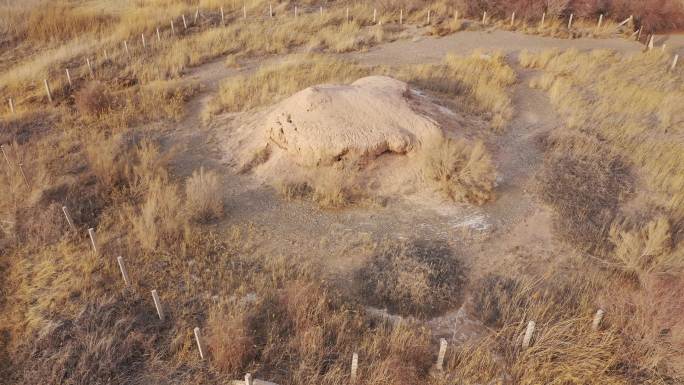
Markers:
93,99
204,195
462,171
230,343
419,278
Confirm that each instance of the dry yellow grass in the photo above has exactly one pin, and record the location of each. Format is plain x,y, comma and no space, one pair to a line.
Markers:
203,195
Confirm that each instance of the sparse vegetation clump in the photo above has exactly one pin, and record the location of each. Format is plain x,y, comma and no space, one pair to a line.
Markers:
461,170
418,278
204,195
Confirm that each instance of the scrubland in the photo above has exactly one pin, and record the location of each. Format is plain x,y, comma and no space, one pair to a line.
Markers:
612,175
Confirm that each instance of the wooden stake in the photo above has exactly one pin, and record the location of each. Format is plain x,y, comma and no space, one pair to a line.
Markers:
244,12
484,17
158,35
428,17
105,55
597,319
321,10
124,273
223,20
639,35
347,14
157,304
196,15
173,29
68,218
663,47
47,90
248,379
295,11
270,10
142,37
21,169
401,16
200,345
528,335
128,53
90,68
456,16
185,23
68,77
651,42
512,19
627,20
674,63
91,234
375,12
11,105
541,25
570,21
442,353
354,367
600,21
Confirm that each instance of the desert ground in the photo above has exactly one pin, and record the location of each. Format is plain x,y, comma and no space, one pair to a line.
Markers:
408,192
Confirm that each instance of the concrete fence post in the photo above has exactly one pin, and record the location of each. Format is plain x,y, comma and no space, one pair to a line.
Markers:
354,367
157,304
68,218
91,234
598,317
200,343
124,272
528,335
441,354
47,90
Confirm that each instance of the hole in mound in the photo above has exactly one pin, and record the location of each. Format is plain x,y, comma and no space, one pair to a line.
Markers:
418,278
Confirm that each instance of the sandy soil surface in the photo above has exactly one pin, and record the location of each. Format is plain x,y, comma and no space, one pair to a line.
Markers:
516,227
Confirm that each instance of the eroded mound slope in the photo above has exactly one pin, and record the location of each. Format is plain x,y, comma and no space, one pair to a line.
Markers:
323,124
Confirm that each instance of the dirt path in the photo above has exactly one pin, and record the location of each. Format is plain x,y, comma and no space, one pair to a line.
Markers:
488,237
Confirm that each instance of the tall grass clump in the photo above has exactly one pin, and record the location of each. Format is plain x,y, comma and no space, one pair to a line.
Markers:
203,195
461,170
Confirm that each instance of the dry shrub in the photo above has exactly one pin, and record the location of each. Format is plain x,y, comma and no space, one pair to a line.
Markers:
331,189
159,221
93,99
229,340
295,189
585,184
420,278
461,170
645,249
478,82
493,297
56,21
204,195
108,336
105,154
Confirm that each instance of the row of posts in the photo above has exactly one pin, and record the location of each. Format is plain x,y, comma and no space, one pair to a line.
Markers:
48,91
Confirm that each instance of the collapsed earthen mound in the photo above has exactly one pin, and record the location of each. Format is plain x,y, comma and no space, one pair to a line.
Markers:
327,123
